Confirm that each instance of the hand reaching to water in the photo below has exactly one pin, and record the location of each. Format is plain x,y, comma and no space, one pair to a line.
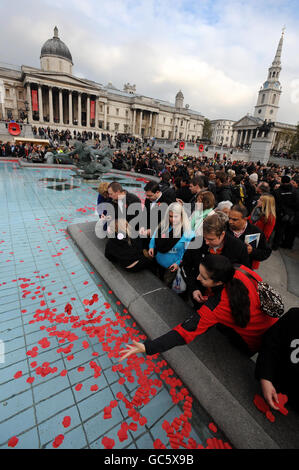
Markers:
135,349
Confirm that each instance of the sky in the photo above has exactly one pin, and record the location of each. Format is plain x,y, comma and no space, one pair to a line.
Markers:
216,51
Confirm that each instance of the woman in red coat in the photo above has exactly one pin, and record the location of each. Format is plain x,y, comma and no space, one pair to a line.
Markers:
233,301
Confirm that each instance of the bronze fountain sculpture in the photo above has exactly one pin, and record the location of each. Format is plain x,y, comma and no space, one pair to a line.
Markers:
91,162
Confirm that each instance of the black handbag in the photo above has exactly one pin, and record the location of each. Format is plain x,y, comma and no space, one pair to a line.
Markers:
271,300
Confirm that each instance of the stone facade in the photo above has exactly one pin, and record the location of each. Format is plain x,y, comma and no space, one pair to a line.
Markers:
53,96
222,132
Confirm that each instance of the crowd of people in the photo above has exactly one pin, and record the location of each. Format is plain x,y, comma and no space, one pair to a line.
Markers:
205,227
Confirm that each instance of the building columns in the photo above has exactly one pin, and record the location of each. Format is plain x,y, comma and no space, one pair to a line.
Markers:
29,102
105,116
88,111
150,124
79,110
140,124
60,107
70,108
156,126
40,104
51,120
186,128
134,122
96,121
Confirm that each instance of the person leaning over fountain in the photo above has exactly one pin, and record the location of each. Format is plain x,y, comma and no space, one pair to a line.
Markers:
232,301
216,240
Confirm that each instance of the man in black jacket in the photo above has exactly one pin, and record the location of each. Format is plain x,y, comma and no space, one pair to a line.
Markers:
122,200
183,192
155,207
287,213
277,365
223,188
240,227
217,240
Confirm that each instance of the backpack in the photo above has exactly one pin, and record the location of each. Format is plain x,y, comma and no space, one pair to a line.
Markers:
271,301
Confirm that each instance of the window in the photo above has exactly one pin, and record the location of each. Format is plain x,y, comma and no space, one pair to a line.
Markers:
101,108
259,111
7,92
127,113
169,134
107,109
182,122
101,124
273,99
20,95
263,98
116,126
117,111
108,126
164,119
163,133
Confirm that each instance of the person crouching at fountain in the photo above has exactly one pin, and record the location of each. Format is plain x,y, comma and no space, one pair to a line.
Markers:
121,248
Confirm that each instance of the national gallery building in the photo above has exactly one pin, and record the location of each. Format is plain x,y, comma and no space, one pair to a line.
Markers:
53,96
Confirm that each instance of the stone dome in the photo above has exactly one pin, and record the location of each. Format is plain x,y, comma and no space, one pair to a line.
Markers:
56,47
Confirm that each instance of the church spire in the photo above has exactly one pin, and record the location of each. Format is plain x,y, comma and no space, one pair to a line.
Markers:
277,59
268,97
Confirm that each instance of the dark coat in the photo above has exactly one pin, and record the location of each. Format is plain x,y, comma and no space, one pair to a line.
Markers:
155,211
127,201
233,249
263,251
278,360
224,193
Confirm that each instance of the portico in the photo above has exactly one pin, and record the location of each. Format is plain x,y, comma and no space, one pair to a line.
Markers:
61,105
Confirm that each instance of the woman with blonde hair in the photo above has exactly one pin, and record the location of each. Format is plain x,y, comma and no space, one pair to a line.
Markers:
170,241
263,215
123,249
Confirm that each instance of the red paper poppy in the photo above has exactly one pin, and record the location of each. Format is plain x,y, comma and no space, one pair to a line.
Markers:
13,441
108,443
212,427
66,421
58,440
